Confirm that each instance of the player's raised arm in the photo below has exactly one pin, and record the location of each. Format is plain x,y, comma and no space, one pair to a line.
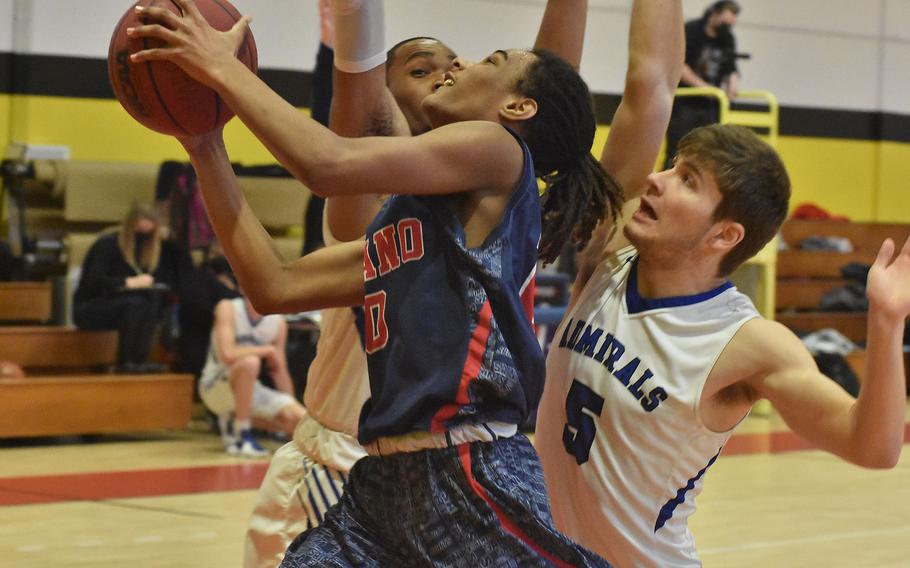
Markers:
362,104
562,29
656,48
868,431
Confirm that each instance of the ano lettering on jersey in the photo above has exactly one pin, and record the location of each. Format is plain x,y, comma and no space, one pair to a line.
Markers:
393,246
609,351
387,250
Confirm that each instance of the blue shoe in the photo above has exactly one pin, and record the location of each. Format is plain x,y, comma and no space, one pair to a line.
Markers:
246,446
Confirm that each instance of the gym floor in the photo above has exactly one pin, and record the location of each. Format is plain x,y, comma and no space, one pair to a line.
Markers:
173,499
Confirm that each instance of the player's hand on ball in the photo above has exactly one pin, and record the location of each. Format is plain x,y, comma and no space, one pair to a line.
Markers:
190,42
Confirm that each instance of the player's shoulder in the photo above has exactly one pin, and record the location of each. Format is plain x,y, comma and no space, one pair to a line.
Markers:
768,345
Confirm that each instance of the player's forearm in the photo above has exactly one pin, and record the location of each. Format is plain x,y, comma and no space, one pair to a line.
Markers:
562,29
252,254
879,413
300,143
362,104
656,47
640,122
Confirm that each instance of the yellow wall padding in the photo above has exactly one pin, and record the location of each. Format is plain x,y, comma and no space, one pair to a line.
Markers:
105,191
862,179
893,205
4,122
838,175
100,130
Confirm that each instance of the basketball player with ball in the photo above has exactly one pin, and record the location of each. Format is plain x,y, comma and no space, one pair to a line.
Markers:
306,475
454,363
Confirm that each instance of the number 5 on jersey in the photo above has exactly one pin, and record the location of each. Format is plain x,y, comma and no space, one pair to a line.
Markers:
578,434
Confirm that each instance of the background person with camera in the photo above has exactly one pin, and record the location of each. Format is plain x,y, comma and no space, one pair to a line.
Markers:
710,62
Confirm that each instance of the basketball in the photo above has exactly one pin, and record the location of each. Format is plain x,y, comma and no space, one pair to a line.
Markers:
159,94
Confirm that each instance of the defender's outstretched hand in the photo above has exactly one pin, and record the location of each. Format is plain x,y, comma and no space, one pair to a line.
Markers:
888,286
190,42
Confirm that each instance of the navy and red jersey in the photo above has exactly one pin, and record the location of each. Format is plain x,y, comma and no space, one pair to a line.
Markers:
447,329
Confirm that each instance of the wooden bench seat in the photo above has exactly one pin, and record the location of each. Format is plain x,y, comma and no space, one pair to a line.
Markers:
26,302
805,276
851,324
59,397
866,238
804,293
57,348
818,264
94,404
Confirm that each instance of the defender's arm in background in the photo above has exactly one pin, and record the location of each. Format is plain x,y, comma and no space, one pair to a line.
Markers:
562,29
656,49
362,105
869,430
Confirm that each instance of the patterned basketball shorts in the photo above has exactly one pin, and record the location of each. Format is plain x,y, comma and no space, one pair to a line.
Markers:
472,505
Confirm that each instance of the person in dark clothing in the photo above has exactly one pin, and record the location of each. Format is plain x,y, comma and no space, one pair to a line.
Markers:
125,278
321,102
8,262
206,285
710,62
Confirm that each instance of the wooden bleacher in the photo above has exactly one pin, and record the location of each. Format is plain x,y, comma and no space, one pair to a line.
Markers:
851,324
25,302
94,404
68,389
804,277
58,349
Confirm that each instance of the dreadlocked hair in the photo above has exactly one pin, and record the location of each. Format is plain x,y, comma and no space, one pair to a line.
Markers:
579,193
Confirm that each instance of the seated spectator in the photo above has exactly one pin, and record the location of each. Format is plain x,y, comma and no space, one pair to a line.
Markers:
242,342
208,284
123,286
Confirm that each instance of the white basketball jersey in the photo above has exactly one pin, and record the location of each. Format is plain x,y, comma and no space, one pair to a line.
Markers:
618,429
337,382
263,331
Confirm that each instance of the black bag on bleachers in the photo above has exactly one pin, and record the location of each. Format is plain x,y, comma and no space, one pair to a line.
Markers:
838,370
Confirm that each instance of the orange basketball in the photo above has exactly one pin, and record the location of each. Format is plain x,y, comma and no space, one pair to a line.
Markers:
158,93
